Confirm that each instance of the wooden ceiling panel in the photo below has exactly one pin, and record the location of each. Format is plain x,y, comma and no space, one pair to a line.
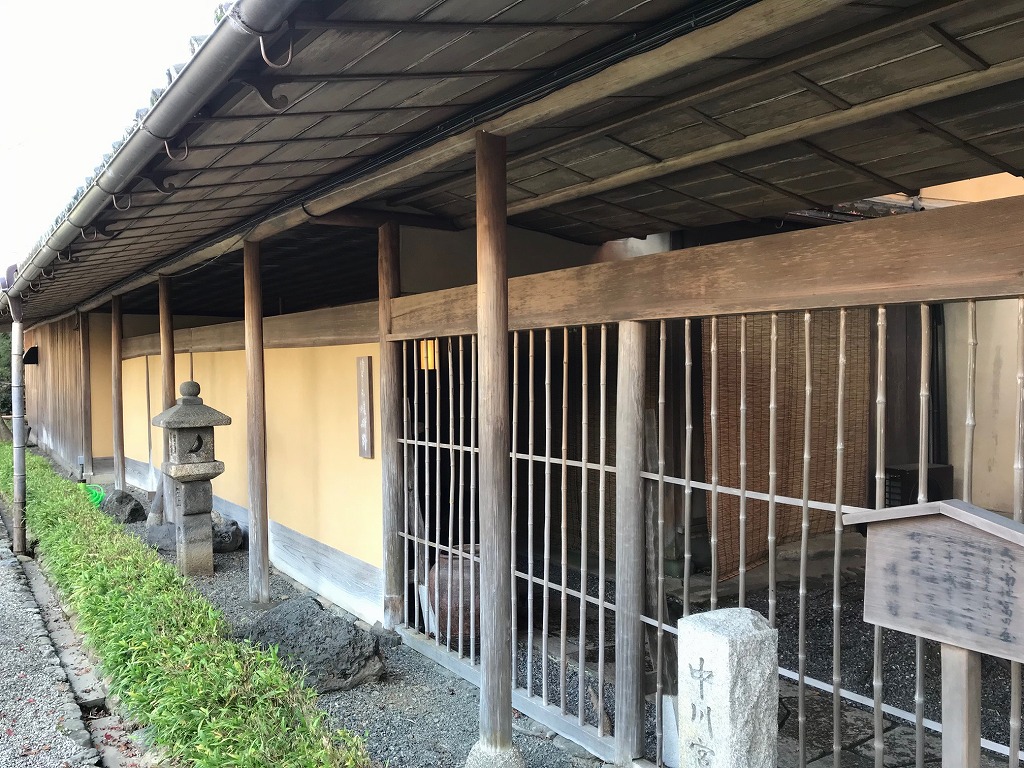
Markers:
763,116
687,139
898,75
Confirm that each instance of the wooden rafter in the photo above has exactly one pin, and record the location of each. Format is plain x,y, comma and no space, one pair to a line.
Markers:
959,143
421,26
957,48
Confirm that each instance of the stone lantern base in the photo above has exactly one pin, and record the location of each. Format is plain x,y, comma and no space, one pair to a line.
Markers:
193,527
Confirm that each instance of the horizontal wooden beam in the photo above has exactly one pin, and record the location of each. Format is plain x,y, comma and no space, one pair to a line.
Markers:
956,253
369,77
350,324
369,218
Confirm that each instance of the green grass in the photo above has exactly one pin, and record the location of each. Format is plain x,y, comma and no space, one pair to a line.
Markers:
210,702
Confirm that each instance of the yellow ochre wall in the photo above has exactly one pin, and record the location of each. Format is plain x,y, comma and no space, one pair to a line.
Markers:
317,482
100,383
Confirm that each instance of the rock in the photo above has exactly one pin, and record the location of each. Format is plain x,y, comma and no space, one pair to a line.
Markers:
123,507
162,537
728,690
227,536
333,653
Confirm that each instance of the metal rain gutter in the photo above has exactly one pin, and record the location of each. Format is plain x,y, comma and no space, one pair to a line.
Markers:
213,64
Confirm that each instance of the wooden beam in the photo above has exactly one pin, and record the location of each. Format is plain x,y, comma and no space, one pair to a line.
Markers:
857,169
894,260
328,327
801,129
368,218
117,389
629,543
85,366
167,377
757,73
391,408
959,143
256,427
957,48
961,707
495,471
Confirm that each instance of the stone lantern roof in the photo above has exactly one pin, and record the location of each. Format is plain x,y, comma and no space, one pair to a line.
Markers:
190,413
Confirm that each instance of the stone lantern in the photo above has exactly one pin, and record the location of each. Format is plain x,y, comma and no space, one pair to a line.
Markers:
190,465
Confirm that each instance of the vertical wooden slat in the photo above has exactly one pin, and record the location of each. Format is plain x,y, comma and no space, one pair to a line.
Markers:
970,421
880,404
713,522
546,599
392,474
743,463
166,377
117,389
515,508
418,522
659,654
256,427
837,545
85,363
564,617
602,530
408,615
530,473
923,458
429,608
437,489
495,480
584,525
18,426
773,469
451,490
688,469
629,541
805,531
463,443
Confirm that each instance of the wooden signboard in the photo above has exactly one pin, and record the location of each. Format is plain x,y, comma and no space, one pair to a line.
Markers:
947,571
951,572
364,396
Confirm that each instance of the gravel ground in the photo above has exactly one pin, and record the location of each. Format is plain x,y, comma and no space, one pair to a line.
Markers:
35,697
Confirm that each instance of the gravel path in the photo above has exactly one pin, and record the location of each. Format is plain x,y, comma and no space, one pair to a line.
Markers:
36,704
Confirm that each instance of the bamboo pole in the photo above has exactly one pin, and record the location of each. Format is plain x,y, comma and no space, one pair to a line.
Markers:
805,530
584,524
743,463
713,522
773,470
495,744
688,470
564,635
18,425
256,428
1018,515
167,379
880,405
972,377
515,507
837,545
923,459
629,543
546,601
392,474
601,528
117,389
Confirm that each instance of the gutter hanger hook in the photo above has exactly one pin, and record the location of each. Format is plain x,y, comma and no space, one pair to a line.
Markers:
167,149
266,58
95,234
113,199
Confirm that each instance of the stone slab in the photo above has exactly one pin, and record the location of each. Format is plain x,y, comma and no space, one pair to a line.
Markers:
194,544
728,690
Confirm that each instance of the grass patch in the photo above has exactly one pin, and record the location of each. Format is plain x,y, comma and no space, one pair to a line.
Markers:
210,701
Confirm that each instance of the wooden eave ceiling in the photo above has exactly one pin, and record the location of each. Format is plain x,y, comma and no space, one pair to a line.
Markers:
865,99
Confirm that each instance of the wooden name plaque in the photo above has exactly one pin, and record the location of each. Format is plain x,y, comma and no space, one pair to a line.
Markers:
947,571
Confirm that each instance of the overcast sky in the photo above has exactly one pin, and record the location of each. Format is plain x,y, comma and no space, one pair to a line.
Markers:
74,73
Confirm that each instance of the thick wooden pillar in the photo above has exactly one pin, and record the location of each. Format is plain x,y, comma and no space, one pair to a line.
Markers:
256,428
961,707
86,368
392,475
117,390
18,425
629,543
495,745
167,378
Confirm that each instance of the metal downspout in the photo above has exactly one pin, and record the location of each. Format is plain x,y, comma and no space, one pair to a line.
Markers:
227,47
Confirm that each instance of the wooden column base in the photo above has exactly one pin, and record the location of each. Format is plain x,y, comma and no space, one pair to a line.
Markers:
961,707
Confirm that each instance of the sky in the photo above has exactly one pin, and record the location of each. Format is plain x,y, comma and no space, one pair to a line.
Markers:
75,72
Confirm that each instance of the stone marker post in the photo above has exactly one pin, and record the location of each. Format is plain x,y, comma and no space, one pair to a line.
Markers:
728,690
190,465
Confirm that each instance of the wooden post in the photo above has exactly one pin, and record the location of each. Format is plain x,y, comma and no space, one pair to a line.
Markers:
86,368
961,707
495,744
629,543
392,475
256,421
18,424
117,390
167,377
